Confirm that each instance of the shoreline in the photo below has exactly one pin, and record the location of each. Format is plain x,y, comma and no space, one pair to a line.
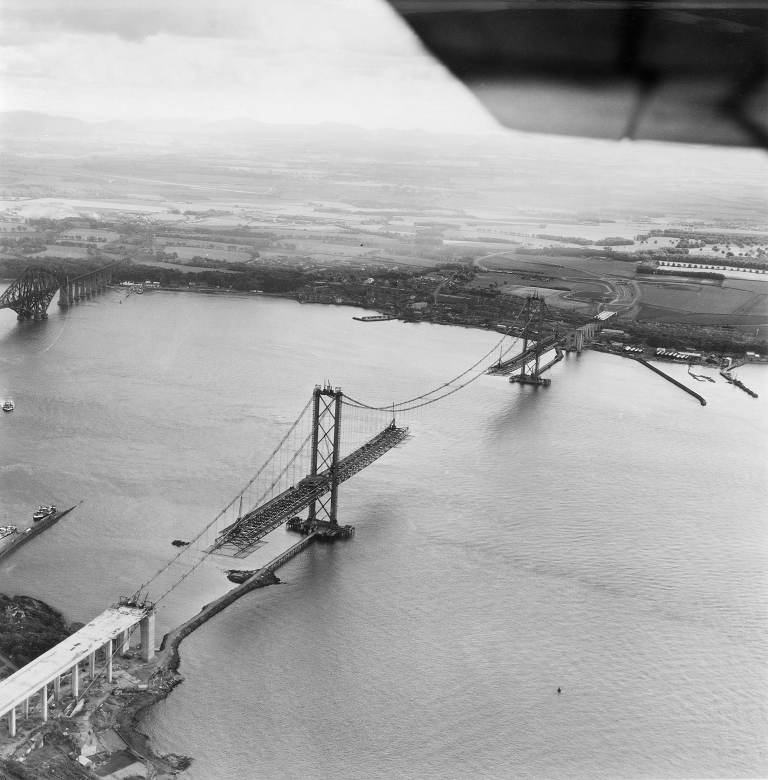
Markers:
168,658
389,316
118,706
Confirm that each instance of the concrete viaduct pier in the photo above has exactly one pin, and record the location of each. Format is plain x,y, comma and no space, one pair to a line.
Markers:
85,286
61,665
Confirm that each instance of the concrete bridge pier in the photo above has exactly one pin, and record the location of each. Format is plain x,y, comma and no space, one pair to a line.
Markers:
84,287
76,680
108,650
124,643
109,632
574,341
44,702
147,627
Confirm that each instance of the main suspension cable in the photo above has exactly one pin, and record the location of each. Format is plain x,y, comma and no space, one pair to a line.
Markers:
401,405
226,508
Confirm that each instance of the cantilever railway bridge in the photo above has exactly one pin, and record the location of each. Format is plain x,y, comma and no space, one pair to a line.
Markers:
31,294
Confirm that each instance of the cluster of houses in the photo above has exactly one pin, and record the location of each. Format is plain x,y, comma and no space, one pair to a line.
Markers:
676,355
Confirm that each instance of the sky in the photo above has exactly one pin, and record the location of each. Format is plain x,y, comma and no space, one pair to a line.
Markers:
295,61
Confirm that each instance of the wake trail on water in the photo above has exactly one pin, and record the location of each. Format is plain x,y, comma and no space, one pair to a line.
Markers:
13,358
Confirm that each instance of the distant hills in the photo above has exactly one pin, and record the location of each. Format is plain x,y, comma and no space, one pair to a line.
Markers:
28,124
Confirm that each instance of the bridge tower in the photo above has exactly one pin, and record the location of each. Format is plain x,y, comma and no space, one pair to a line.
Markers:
535,341
30,295
326,445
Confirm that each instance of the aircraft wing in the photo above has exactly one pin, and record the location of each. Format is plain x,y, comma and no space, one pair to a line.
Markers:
693,71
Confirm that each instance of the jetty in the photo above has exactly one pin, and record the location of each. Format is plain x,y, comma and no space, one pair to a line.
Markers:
33,531
688,390
732,380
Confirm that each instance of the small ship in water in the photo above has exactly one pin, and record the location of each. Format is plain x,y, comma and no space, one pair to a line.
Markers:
43,512
376,318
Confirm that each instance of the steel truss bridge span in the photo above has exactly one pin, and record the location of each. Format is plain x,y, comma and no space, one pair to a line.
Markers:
31,294
249,529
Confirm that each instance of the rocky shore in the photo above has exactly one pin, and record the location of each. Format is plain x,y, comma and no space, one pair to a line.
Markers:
102,732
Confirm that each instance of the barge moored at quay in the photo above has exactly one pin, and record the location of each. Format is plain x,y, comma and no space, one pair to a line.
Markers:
15,539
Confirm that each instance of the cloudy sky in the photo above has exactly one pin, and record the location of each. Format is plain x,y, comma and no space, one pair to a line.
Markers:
301,61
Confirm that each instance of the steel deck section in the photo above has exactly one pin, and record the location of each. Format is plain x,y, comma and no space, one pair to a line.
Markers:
508,366
252,527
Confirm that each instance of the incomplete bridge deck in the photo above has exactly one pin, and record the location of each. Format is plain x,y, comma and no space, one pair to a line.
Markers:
240,538
62,657
518,361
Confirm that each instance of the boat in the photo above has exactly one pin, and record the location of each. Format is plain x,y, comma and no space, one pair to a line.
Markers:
240,576
9,544
43,512
377,318
8,406
7,530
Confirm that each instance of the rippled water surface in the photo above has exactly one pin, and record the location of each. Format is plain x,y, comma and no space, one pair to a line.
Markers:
606,535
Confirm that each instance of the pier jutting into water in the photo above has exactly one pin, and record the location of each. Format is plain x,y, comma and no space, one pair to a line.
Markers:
86,285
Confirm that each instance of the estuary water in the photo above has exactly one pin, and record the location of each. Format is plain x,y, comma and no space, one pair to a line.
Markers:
606,535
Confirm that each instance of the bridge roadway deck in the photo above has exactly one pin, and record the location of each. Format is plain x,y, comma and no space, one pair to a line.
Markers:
508,366
31,678
242,535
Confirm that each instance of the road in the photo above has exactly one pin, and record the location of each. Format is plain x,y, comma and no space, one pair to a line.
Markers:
626,292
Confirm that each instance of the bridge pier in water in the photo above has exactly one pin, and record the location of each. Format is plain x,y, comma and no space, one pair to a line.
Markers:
85,287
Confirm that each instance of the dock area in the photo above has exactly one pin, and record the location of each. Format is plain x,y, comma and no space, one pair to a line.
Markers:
10,544
732,380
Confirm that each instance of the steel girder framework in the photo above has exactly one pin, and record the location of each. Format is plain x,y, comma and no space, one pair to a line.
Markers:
31,294
326,436
511,365
243,535
535,344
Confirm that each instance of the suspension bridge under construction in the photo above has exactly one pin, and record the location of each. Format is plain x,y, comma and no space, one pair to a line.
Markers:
333,438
